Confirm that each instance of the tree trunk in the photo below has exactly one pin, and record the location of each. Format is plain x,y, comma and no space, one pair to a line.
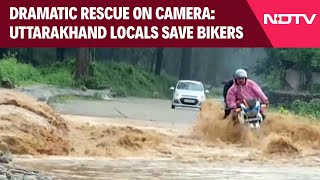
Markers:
185,67
159,61
60,53
82,63
111,53
283,80
30,55
152,62
3,51
92,53
308,75
19,54
135,58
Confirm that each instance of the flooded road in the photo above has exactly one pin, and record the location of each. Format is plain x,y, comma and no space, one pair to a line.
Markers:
137,168
166,143
151,168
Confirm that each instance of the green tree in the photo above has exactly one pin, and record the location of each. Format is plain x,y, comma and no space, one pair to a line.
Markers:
280,60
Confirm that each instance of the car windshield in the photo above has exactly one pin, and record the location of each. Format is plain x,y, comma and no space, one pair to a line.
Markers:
190,86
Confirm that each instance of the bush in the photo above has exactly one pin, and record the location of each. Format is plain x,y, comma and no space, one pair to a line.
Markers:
124,79
18,72
128,80
309,109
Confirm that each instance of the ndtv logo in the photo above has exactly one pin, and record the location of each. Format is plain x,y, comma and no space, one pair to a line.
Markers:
288,18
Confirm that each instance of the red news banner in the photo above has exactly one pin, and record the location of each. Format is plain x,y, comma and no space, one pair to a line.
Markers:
159,23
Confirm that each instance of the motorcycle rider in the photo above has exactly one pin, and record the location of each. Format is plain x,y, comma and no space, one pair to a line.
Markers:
226,87
244,88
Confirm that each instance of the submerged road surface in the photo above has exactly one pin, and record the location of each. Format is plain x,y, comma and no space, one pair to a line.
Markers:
154,110
131,108
135,168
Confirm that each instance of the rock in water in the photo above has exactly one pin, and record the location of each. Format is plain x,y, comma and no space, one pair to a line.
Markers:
11,172
7,83
42,99
5,157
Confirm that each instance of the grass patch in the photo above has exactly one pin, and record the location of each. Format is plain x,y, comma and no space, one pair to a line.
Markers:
17,72
310,109
128,80
124,79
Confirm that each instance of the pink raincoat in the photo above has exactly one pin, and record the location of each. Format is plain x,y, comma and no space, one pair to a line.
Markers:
248,91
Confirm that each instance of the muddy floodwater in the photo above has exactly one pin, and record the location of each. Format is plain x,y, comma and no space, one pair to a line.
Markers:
138,168
286,147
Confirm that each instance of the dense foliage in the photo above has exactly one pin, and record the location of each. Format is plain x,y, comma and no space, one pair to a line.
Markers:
124,79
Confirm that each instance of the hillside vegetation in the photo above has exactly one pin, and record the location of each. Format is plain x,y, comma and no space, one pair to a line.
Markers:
123,79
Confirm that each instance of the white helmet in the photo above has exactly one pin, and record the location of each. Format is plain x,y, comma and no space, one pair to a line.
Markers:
240,73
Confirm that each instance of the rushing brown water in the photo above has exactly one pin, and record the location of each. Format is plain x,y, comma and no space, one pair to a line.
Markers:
141,168
287,147
280,134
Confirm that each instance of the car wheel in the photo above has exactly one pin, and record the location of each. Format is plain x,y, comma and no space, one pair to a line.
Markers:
173,107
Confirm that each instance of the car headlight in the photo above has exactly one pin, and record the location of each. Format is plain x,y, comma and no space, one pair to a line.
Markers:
177,95
201,97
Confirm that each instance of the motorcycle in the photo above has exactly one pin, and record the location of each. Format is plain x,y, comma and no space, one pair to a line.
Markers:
249,113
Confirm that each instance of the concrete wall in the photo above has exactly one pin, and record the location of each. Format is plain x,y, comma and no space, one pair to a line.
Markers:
295,78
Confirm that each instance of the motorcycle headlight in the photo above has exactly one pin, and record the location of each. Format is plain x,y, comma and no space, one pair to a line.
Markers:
252,113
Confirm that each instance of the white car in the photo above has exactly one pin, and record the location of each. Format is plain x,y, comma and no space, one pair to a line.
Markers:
188,93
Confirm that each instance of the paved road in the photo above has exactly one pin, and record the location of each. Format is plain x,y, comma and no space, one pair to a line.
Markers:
131,108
